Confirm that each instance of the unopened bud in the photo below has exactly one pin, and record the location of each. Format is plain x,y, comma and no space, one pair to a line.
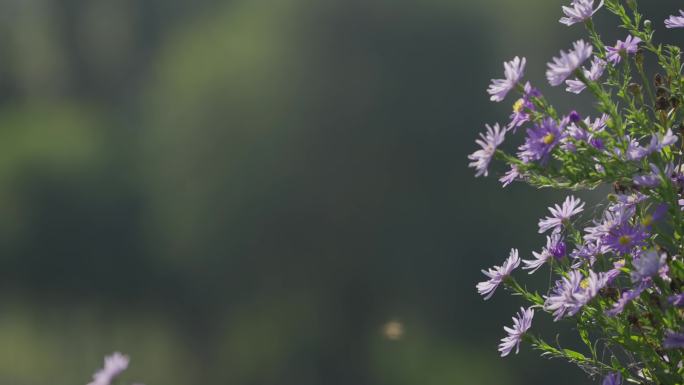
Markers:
634,89
647,24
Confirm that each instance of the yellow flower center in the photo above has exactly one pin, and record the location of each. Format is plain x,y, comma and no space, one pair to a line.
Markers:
625,240
648,219
549,138
585,283
518,106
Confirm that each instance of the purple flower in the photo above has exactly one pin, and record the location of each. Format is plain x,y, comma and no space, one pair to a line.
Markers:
647,264
624,238
579,11
562,67
627,297
561,215
673,340
522,107
658,142
497,274
576,86
513,71
510,176
541,139
629,46
489,142
555,247
114,365
612,379
675,21
521,323
566,297
676,300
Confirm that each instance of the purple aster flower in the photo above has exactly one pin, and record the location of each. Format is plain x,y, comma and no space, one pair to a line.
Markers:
566,297
489,142
592,284
612,379
510,176
562,67
576,86
658,213
523,106
555,247
673,340
561,215
631,199
658,142
629,46
675,21
497,274
624,238
676,300
579,11
521,323
114,365
652,179
627,297
646,265
586,252
541,139
513,71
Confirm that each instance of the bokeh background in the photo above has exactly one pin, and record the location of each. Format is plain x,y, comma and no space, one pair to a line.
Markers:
265,192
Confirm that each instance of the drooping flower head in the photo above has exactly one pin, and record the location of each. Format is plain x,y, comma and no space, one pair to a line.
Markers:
627,297
497,274
513,72
579,11
563,66
510,176
561,214
489,142
629,46
541,139
675,21
594,73
521,323
114,365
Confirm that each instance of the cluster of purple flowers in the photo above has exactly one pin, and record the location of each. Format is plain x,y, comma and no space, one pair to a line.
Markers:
625,267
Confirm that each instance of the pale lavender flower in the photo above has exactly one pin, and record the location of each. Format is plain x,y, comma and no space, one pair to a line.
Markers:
629,46
497,274
658,142
510,176
647,264
513,71
541,139
675,21
521,323
561,215
673,340
627,297
114,365
567,297
579,11
576,86
562,67
555,247
489,142
676,300
612,379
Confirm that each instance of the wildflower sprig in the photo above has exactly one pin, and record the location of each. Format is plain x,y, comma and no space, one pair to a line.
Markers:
618,270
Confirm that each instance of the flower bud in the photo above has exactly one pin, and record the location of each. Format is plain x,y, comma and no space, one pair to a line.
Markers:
647,24
658,80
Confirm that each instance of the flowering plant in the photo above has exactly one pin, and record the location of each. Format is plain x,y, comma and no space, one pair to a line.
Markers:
619,276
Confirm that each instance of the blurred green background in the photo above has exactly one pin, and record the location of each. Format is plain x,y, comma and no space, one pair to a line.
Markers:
264,192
